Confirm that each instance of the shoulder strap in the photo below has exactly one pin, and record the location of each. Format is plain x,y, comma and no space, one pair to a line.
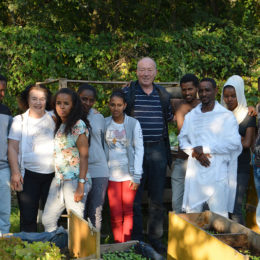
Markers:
164,97
21,163
130,99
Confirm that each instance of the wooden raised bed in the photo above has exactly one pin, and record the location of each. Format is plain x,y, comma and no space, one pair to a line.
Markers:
251,205
188,237
84,240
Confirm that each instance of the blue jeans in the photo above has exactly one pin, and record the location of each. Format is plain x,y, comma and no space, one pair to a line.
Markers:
257,180
154,166
178,180
59,237
257,187
95,201
243,174
5,200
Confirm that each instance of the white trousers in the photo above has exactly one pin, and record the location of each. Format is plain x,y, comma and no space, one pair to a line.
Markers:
217,202
61,197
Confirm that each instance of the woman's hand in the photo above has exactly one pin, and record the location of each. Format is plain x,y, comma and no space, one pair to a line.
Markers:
17,181
133,185
79,193
16,176
82,145
252,111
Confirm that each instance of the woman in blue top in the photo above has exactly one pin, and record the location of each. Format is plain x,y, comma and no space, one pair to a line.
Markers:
68,189
97,163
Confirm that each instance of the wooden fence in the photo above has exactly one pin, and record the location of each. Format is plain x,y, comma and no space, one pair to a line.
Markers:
172,87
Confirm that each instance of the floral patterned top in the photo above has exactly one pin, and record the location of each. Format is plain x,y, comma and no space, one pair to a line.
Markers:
66,153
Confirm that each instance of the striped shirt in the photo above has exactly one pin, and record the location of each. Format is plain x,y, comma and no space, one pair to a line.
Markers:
148,111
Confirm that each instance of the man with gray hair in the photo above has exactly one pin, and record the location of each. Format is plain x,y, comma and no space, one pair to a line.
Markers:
150,105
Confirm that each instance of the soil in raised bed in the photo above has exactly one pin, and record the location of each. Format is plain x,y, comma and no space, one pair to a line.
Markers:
251,252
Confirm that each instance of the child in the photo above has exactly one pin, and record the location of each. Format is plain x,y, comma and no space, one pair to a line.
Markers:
124,150
68,189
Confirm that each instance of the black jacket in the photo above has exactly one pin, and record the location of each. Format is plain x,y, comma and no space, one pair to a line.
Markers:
164,99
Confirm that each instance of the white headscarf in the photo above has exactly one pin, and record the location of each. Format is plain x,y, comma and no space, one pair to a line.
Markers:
241,111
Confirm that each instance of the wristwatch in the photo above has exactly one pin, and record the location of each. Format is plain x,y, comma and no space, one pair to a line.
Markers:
81,180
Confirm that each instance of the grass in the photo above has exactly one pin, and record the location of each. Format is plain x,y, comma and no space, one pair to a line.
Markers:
15,220
15,215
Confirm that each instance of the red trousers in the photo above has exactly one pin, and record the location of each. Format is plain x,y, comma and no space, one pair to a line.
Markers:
121,199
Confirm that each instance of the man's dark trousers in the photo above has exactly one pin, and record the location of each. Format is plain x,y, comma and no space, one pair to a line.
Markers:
154,166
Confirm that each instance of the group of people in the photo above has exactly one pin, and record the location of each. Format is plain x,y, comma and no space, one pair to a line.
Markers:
63,154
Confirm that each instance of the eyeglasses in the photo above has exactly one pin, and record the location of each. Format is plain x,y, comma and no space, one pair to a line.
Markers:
35,99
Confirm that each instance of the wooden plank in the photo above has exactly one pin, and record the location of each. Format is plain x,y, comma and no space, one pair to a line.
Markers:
83,240
50,81
234,240
120,247
171,83
188,241
251,205
211,220
63,83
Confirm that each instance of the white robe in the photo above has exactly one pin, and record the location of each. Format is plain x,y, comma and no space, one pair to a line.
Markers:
217,132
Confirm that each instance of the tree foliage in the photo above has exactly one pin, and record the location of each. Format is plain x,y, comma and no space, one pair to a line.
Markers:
102,40
97,16
31,54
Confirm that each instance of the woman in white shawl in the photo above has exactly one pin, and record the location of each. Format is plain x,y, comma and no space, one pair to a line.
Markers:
233,98
30,154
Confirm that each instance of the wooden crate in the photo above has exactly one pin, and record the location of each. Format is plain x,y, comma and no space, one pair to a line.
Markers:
251,205
187,238
84,240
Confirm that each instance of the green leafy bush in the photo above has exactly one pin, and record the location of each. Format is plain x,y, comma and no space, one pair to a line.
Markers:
30,54
15,248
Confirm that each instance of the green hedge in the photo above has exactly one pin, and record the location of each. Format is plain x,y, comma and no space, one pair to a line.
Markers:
32,54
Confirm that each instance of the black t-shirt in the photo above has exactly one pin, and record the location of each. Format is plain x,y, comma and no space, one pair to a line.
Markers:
249,121
4,110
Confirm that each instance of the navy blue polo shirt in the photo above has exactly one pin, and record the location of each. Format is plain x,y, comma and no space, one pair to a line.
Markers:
148,111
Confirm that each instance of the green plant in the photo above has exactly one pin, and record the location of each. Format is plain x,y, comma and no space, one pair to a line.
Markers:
250,254
130,254
15,219
15,248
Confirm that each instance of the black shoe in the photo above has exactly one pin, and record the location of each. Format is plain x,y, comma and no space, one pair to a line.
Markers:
159,247
147,251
